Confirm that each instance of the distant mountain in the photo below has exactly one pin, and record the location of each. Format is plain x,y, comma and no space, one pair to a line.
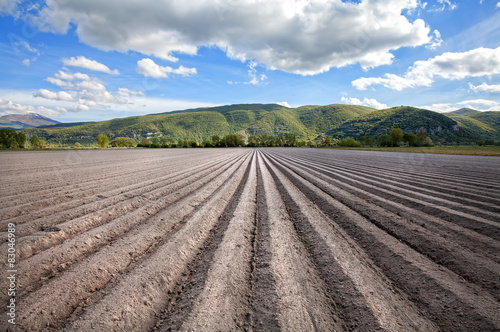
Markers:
26,120
465,112
310,122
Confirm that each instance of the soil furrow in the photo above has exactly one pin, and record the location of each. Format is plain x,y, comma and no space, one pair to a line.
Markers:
399,181
446,299
303,304
68,193
160,197
471,266
216,296
138,297
50,262
347,270
271,239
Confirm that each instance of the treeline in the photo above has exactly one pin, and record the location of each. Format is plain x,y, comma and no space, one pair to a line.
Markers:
10,139
393,139
231,140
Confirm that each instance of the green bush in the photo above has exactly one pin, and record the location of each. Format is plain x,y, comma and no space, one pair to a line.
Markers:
102,141
123,142
11,139
349,142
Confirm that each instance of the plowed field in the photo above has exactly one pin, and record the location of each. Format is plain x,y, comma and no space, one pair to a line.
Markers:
251,239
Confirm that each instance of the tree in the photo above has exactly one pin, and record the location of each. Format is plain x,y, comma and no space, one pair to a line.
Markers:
349,142
421,134
166,142
207,144
253,141
410,139
327,141
290,139
155,142
102,141
232,140
396,136
11,139
367,141
427,141
263,138
384,140
35,142
21,139
123,142
215,140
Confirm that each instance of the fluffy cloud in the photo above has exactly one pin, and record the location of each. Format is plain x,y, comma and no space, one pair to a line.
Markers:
9,107
297,36
485,88
148,67
83,62
453,66
477,104
370,102
85,91
61,95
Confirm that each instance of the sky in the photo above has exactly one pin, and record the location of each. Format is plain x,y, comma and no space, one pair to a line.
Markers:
92,60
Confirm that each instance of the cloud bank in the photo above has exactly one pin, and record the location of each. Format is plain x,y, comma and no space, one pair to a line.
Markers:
454,66
296,36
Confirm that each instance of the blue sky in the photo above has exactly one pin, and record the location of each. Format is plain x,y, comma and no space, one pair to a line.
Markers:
88,60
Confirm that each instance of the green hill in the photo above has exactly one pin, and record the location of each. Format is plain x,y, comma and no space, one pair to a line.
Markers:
440,128
484,125
465,112
305,122
491,119
199,124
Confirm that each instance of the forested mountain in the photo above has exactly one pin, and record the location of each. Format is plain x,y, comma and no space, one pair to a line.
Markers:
306,123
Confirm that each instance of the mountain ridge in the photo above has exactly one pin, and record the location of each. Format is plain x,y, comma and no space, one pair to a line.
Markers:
309,122
29,119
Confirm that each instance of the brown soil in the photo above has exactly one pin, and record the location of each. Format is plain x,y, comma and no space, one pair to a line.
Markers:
252,240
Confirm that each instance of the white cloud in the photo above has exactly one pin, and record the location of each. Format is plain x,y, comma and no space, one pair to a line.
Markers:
10,107
436,40
482,105
475,63
61,95
255,79
485,88
370,102
7,6
284,103
297,36
445,4
124,92
80,108
498,5
83,62
149,68
87,92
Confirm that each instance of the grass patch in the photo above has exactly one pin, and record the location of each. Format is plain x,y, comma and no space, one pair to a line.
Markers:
461,150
